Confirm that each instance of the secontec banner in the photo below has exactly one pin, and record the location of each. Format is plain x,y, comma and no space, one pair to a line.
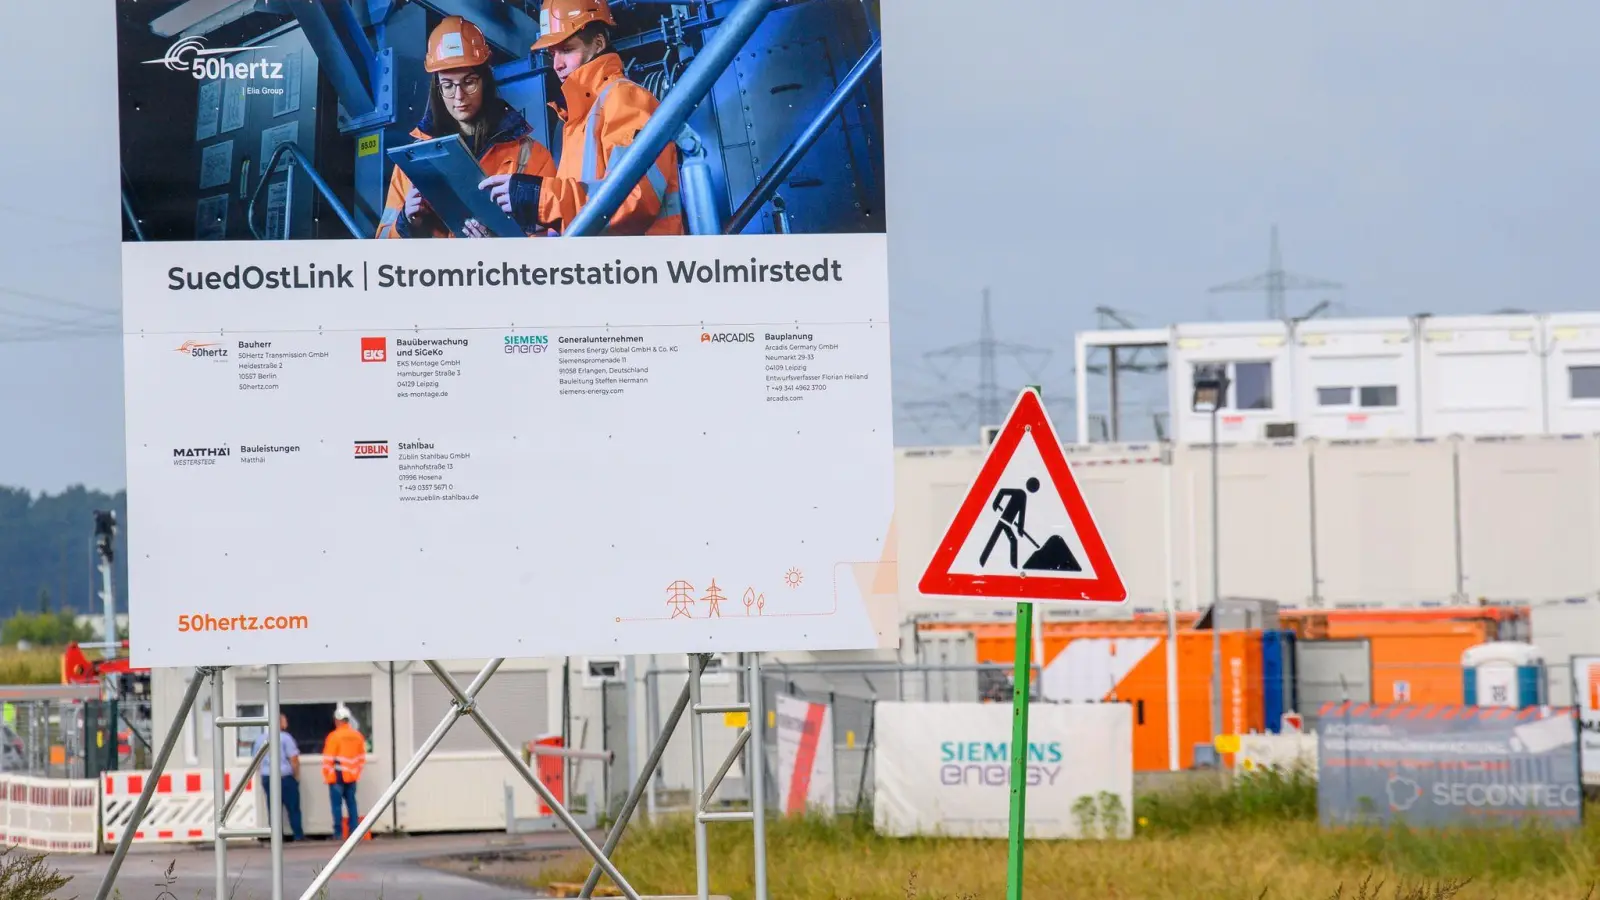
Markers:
1447,765
527,345
945,769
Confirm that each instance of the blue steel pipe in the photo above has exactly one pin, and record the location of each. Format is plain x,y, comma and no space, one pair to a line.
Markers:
317,181
670,117
768,185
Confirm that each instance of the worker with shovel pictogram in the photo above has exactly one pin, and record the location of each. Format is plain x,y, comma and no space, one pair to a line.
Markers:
1052,556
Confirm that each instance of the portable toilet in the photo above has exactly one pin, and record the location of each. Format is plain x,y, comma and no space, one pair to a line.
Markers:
1503,673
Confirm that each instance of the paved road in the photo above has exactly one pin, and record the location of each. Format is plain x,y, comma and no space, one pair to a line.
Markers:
381,869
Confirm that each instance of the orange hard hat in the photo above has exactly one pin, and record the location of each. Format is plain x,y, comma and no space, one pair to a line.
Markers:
456,44
561,19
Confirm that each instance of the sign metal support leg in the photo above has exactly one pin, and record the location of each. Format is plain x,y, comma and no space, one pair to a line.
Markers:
158,766
464,703
749,739
1019,750
642,784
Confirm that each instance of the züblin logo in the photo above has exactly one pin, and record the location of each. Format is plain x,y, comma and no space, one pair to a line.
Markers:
527,343
190,55
988,763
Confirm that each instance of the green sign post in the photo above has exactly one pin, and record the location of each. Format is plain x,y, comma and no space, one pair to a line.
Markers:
1019,749
998,507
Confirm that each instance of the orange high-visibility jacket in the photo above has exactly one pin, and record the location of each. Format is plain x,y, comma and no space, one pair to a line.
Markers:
344,755
604,113
512,151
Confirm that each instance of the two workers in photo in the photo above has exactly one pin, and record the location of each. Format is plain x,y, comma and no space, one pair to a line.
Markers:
602,112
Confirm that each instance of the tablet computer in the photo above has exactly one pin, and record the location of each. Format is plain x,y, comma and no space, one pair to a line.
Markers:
443,170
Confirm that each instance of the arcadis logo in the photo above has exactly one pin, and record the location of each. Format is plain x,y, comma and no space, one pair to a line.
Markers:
988,763
374,349
527,343
728,337
190,55
201,350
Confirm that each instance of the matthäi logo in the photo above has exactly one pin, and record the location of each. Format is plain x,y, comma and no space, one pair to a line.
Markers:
190,55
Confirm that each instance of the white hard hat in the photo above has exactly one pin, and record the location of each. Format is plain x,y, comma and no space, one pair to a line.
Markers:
342,712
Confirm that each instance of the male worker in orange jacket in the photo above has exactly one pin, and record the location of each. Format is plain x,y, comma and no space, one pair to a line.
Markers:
344,755
603,112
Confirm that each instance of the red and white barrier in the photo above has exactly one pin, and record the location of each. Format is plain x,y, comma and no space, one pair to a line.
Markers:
51,815
181,809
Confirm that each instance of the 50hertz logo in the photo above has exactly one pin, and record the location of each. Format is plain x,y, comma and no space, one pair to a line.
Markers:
190,55
201,350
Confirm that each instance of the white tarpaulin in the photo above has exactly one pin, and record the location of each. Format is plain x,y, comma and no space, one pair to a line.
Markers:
1586,697
944,768
805,756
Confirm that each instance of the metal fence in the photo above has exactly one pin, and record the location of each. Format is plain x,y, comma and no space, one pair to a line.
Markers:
55,738
852,691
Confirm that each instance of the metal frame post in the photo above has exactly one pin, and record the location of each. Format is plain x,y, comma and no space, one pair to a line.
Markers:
274,745
1216,584
697,752
758,771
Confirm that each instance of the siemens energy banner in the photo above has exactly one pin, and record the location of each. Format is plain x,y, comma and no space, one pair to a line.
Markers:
1447,765
944,769
455,337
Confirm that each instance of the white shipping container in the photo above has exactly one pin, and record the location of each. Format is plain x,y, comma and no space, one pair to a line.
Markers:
1530,517
1385,519
1356,378
1572,372
1261,371
1481,375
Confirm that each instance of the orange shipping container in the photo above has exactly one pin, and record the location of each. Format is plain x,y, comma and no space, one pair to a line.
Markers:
1417,662
1131,667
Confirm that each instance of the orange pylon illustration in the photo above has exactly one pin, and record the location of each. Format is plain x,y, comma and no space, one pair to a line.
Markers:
713,599
680,599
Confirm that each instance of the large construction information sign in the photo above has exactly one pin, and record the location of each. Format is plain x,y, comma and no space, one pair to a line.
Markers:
358,431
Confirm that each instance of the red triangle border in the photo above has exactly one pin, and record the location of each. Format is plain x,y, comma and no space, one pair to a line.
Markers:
1028,415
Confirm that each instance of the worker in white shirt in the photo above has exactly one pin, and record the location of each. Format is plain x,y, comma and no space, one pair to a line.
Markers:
289,770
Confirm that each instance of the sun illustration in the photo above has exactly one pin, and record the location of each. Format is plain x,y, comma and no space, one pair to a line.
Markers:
793,577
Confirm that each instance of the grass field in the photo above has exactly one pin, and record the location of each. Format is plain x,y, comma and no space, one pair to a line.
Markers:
1250,843
38,666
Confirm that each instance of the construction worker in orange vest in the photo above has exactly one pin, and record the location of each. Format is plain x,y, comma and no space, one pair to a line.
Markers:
603,112
344,755
463,99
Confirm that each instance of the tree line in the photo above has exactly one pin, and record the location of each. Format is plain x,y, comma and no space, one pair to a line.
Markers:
47,557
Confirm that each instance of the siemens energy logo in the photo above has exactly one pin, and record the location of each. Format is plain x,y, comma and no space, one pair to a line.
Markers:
190,55
520,344
988,763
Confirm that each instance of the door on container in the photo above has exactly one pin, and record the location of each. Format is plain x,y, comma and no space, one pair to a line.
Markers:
614,725
1331,672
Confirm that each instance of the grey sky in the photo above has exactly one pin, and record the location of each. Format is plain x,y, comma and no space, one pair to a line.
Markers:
1433,156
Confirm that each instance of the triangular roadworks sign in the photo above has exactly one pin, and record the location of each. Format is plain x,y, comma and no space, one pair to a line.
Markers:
1024,532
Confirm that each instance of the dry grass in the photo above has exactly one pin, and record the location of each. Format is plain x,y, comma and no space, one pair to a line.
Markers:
1265,855
36,666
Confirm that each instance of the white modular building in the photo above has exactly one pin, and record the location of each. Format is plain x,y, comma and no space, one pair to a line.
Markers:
1414,377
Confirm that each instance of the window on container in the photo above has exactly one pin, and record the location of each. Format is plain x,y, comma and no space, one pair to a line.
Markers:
1380,395
1252,385
1585,382
309,724
1334,396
